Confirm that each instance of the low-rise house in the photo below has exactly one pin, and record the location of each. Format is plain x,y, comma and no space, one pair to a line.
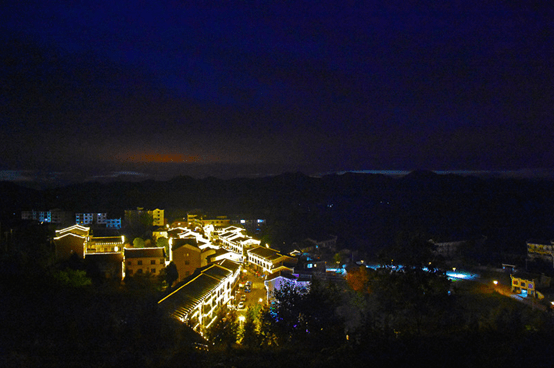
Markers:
144,261
276,280
311,264
527,284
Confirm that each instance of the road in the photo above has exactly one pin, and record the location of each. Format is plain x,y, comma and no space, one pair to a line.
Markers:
258,290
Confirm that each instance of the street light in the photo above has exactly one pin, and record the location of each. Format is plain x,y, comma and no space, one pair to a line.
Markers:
495,282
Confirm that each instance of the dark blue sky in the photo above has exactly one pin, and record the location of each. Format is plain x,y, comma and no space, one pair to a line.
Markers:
163,88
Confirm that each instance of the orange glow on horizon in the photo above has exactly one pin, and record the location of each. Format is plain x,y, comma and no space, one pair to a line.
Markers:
157,157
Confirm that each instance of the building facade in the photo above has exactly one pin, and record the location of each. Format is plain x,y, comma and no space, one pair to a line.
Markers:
143,261
197,301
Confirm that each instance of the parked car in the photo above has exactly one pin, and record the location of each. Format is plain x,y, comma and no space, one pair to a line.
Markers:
243,298
241,305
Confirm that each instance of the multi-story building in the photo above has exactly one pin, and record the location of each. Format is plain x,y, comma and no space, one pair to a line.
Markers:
196,301
235,239
189,254
541,249
157,215
78,239
199,221
89,218
267,260
55,216
71,240
253,225
105,244
113,223
144,261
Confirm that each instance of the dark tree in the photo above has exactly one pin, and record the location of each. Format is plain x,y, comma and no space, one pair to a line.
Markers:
171,274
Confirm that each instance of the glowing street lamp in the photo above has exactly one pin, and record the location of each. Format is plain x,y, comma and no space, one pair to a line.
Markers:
495,282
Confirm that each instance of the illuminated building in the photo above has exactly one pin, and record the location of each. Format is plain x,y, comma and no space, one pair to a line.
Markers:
267,260
527,284
276,280
199,220
71,240
77,239
157,215
235,239
97,218
113,223
55,216
103,244
144,261
196,301
541,249
189,254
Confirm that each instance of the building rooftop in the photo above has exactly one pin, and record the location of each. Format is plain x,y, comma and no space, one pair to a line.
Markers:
144,253
106,240
178,243
263,252
541,242
188,296
230,265
115,257
75,229
283,274
216,271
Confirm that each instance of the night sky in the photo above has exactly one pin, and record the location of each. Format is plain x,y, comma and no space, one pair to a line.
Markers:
135,89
